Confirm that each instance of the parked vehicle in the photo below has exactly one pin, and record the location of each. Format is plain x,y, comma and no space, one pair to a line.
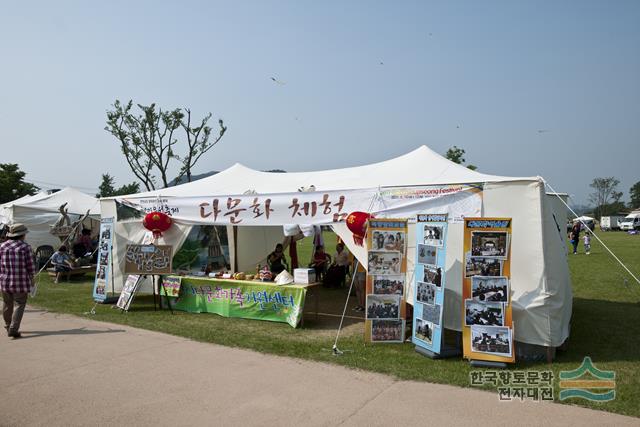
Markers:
608,223
630,222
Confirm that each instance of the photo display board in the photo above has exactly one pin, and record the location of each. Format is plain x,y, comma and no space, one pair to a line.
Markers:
487,332
128,291
386,280
103,267
429,281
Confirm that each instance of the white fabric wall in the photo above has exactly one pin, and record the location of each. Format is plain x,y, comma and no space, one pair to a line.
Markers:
255,243
540,281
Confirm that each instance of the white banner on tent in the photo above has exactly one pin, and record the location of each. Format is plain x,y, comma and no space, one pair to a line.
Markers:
320,207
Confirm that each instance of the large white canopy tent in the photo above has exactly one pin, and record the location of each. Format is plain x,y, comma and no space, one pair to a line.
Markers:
41,211
540,281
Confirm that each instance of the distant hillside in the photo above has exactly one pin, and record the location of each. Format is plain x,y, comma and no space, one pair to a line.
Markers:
211,173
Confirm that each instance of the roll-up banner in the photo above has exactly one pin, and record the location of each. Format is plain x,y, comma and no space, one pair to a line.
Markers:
429,281
386,280
487,332
103,267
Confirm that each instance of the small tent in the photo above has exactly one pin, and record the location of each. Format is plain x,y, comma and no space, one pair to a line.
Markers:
41,211
540,277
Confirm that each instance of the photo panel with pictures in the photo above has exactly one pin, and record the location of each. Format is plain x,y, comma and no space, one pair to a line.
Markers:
479,266
431,313
490,244
424,331
383,306
426,293
434,235
483,313
427,254
387,240
384,263
432,274
388,284
494,340
490,289
387,331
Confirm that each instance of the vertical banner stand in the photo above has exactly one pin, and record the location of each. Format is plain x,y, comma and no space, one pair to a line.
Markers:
166,296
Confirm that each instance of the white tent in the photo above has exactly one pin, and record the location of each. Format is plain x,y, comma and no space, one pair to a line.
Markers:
540,277
40,211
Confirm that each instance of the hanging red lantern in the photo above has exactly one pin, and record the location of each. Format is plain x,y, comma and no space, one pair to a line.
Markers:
157,222
357,223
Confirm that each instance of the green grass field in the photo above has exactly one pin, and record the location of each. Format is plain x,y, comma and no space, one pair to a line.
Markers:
605,326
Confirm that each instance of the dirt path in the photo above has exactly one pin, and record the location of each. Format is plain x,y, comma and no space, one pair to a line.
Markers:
74,371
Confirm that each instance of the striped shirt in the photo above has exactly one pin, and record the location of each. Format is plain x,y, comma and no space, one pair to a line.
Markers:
16,267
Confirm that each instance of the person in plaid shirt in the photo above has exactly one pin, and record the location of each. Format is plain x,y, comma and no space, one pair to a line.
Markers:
16,277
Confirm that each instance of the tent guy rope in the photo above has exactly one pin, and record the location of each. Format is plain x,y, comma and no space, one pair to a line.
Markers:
594,234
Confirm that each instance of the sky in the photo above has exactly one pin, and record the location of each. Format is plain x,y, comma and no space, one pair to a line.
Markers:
526,88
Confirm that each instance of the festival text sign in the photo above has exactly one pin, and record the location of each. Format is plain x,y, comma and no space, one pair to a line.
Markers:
320,207
487,332
238,298
148,259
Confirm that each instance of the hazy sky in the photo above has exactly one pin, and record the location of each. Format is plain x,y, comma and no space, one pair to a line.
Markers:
485,76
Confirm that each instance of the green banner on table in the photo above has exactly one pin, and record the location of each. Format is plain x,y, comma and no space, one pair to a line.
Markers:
236,298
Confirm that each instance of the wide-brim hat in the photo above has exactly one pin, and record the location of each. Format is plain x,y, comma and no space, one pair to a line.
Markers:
17,230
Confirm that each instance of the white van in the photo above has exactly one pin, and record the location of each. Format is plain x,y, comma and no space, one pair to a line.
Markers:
630,222
608,223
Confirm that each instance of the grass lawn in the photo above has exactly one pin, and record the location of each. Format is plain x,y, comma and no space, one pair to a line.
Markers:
605,326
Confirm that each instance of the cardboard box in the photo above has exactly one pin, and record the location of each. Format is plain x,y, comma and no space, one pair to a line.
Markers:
304,275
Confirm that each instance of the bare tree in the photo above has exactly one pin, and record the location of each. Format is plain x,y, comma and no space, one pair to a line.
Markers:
604,193
198,142
149,140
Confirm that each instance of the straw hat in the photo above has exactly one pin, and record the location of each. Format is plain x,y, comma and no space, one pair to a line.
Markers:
17,230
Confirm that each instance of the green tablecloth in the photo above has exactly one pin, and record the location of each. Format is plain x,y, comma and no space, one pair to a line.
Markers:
242,298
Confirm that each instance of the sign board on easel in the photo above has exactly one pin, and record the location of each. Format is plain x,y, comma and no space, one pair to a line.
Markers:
148,259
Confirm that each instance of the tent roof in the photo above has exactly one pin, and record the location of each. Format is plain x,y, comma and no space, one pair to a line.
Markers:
421,166
77,202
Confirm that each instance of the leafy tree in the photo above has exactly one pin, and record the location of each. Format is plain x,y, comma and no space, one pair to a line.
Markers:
12,184
604,194
148,140
634,193
456,155
107,188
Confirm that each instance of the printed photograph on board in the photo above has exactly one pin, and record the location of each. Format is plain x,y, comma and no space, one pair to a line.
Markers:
433,235
489,244
387,331
426,293
482,266
388,285
427,254
388,240
383,306
431,313
384,262
490,289
424,331
432,275
483,313
491,339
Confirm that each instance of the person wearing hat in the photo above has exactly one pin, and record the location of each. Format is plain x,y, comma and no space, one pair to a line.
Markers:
16,277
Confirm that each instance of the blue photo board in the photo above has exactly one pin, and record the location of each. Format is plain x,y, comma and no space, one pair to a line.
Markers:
429,282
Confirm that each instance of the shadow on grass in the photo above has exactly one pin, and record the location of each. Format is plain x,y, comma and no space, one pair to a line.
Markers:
604,330
78,331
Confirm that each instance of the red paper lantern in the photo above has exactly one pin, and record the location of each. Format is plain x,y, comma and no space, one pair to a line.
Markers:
357,223
157,222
